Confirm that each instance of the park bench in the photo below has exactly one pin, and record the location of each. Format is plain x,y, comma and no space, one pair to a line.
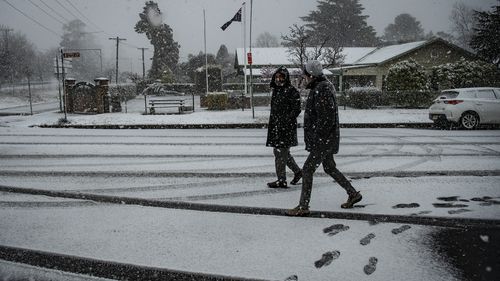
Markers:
154,104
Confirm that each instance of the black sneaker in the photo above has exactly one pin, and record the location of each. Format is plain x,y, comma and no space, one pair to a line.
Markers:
277,184
296,177
299,211
353,199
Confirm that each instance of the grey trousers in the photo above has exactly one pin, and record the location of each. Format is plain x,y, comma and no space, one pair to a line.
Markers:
313,161
282,159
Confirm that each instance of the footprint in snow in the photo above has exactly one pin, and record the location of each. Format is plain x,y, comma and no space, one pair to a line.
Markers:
421,213
326,259
400,229
366,240
335,229
371,266
411,205
448,199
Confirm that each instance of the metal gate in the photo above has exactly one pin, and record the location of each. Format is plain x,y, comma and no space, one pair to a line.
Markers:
83,98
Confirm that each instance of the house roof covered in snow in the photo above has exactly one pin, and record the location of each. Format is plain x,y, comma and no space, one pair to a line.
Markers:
280,56
382,54
354,56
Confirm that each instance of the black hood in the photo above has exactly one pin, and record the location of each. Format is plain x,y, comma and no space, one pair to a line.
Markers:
283,71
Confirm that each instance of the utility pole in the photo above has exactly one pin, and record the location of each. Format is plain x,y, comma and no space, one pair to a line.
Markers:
118,39
143,66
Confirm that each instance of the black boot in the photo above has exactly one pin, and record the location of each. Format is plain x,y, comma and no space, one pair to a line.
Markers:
277,184
296,177
299,211
353,199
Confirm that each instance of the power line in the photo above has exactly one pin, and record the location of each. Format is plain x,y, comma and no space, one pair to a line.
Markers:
67,10
55,12
78,10
45,12
89,21
34,20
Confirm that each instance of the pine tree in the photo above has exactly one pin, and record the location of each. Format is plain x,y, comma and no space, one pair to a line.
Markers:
486,40
76,38
405,28
342,20
166,50
222,56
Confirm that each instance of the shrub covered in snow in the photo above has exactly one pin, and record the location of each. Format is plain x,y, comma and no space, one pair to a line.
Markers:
463,74
407,85
123,92
406,75
363,97
216,101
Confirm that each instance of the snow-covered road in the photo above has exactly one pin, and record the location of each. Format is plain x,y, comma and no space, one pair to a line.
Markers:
409,172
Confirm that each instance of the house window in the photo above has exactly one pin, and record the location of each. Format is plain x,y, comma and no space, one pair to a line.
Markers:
434,54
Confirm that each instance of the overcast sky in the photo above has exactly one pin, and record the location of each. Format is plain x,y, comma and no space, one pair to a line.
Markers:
185,17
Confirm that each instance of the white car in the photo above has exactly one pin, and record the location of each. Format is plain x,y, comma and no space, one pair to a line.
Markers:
466,107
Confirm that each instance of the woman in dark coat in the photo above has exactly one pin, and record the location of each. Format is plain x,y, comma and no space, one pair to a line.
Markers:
282,129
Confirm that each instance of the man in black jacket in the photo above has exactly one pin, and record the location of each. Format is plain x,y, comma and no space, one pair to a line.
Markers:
282,129
321,136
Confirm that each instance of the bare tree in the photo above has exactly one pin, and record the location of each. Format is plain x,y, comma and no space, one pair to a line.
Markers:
463,23
296,42
304,45
266,40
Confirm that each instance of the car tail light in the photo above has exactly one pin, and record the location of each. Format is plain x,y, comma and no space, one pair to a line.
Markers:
453,102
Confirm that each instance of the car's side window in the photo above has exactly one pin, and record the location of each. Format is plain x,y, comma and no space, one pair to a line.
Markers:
485,94
468,95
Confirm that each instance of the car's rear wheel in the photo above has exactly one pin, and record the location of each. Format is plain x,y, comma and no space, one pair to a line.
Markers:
469,120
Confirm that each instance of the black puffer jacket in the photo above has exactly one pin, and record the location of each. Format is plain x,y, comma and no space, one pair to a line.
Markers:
321,120
285,107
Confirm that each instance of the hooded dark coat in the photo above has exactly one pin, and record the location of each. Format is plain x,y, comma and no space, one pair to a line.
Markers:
285,108
321,119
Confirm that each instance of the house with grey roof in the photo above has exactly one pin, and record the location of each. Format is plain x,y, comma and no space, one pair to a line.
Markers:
361,66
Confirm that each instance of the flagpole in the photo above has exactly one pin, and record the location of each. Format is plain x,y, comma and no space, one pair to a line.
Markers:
245,46
251,85
206,58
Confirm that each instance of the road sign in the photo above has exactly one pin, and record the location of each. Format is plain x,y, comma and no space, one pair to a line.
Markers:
249,58
71,55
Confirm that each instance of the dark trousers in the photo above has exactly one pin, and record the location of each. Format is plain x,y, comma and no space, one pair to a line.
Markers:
282,159
313,161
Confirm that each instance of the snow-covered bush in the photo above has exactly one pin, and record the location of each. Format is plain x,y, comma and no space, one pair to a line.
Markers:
216,101
406,75
463,74
407,85
363,97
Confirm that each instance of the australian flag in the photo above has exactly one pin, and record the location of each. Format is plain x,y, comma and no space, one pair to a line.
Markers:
237,17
